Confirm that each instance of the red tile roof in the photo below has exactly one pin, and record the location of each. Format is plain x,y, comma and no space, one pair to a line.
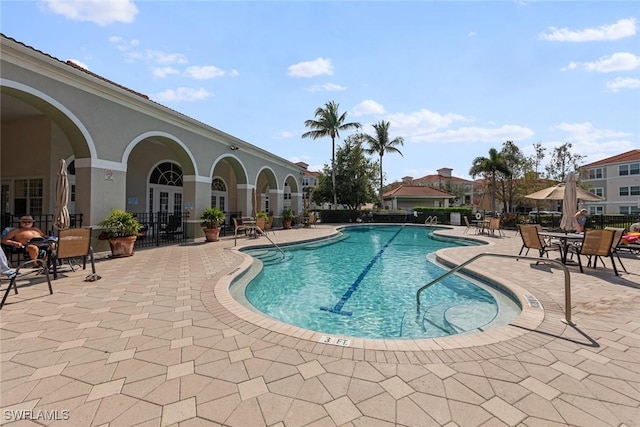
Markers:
440,178
417,191
629,156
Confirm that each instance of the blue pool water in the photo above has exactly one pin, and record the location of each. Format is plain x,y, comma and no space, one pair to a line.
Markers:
363,284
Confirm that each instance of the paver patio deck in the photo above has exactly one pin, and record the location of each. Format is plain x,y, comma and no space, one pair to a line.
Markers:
156,343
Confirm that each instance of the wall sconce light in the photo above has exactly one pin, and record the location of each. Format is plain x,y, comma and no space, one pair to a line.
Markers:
234,147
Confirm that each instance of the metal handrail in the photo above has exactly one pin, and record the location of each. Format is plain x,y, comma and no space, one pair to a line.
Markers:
255,230
567,279
431,220
272,242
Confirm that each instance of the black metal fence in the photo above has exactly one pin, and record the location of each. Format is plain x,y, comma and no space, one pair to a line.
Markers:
161,228
44,221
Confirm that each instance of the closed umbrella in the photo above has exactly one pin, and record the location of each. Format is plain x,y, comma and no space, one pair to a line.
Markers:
569,204
61,212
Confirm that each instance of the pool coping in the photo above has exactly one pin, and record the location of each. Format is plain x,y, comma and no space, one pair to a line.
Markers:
530,318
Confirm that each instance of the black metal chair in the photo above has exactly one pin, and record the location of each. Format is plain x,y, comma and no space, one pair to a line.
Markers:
42,268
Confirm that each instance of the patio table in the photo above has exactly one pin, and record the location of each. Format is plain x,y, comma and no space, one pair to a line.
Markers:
565,239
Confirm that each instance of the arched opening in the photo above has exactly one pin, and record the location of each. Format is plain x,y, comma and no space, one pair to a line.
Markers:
219,195
165,188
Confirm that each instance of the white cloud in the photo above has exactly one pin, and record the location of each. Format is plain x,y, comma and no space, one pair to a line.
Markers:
422,122
204,72
100,12
317,67
621,29
284,135
183,94
79,64
367,107
619,61
163,72
472,34
623,83
478,134
327,87
124,45
591,142
586,130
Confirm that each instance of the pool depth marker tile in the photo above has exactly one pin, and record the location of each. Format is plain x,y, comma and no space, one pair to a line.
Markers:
337,309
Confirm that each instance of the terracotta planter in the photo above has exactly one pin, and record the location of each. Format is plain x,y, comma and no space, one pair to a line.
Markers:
122,246
286,224
212,234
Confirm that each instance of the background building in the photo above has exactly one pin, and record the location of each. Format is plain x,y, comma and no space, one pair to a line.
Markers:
617,179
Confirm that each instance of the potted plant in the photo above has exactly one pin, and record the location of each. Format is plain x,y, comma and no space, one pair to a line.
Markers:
211,220
122,230
287,218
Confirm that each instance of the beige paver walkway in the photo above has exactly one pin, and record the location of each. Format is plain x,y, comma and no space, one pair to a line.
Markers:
150,344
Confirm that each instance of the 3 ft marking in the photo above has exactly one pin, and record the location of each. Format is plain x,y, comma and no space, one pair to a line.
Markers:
342,342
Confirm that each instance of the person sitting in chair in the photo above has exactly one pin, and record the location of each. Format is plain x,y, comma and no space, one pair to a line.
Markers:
18,240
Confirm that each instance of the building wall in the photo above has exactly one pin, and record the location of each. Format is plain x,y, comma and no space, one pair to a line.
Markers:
612,182
116,137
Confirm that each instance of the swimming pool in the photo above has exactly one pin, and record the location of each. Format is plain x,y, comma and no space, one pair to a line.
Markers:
363,284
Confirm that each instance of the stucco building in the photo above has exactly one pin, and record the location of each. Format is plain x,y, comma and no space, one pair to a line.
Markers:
124,150
617,179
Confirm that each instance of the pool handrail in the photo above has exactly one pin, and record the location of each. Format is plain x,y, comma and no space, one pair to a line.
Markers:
567,279
431,220
272,242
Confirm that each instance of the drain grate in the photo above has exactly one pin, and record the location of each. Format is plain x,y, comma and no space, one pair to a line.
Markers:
533,301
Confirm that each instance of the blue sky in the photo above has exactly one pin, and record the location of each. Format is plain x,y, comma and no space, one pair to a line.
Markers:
453,78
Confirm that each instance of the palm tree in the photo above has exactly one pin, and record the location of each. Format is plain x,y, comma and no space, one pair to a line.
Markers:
380,144
328,122
490,166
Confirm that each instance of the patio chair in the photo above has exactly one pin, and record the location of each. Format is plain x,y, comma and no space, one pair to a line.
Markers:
312,220
173,227
261,223
617,237
42,268
73,243
494,225
238,228
532,240
470,226
595,244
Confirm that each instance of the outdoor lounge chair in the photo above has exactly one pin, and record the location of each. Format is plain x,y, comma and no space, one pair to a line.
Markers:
470,226
595,244
494,225
42,268
73,243
312,220
261,223
238,228
617,238
532,240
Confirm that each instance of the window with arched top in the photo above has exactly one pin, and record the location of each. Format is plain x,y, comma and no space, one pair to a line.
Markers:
167,174
218,185
219,195
165,188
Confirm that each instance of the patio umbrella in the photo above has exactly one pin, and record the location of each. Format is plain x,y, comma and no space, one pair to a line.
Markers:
556,192
61,212
569,204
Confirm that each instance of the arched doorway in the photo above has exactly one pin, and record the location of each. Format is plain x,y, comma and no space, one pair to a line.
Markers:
165,188
219,195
